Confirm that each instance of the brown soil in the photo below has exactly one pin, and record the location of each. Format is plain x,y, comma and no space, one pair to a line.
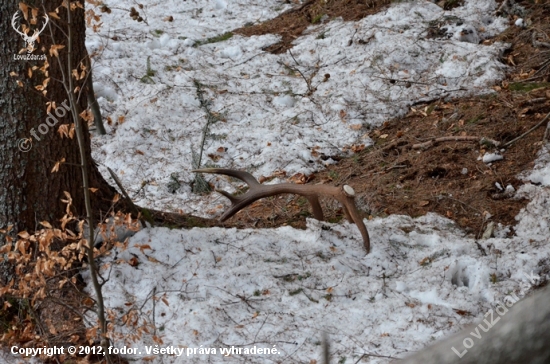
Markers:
292,23
392,177
447,178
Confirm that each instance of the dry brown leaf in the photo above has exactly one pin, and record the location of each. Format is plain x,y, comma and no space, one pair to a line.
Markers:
54,15
300,178
142,247
343,114
46,224
152,260
88,302
462,312
54,48
214,157
63,130
57,165
25,10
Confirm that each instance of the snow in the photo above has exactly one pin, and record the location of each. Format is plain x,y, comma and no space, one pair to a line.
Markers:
285,102
492,157
541,173
226,287
520,23
282,288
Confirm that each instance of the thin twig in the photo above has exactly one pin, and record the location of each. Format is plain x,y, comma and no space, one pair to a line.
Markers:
308,82
527,132
431,142
134,207
374,355
536,43
69,87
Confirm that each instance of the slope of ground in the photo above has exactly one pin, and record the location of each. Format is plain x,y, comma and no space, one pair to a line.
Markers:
427,275
449,178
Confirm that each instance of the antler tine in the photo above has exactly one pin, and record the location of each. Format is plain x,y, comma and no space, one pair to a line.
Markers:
345,195
347,199
237,202
242,175
47,18
37,32
13,20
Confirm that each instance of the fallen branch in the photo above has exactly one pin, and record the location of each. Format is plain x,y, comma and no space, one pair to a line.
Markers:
534,101
125,194
295,69
433,141
536,43
503,8
528,131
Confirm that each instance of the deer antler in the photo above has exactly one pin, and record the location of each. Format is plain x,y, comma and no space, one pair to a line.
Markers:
13,20
345,195
36,32
30,40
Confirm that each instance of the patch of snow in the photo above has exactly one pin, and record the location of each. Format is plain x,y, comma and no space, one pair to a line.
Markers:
520,23
491,157
284,287
264,93
226,287
286,101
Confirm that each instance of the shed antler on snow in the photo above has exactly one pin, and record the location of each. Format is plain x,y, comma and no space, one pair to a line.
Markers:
345,195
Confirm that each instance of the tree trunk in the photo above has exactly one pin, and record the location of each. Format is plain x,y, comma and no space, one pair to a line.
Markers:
29,191
521,335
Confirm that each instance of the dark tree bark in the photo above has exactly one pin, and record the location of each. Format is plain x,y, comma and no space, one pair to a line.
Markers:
29,191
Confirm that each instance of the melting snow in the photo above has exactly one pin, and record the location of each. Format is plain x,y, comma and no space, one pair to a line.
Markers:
281,288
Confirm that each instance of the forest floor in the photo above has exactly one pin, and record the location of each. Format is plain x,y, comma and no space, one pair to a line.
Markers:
407,171
447,177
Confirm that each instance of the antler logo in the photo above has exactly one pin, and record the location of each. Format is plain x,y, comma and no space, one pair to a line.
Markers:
30,40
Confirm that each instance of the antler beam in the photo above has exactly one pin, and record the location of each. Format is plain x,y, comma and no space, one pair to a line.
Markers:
345,195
